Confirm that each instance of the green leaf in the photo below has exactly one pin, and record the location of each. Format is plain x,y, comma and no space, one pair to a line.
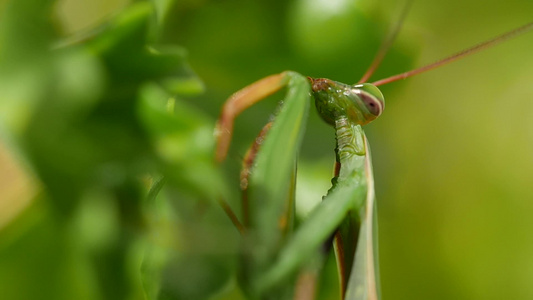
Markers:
184,259
312,233
183,140
25,35
270,181
364,281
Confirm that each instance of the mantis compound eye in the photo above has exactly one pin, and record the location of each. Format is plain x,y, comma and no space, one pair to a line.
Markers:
371,97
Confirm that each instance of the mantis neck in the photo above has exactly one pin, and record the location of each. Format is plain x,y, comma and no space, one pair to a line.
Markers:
350,150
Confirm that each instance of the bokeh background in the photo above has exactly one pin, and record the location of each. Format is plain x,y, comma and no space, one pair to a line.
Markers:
452,153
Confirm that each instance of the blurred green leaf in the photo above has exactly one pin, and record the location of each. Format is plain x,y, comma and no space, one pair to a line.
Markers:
182,263
72,110
183,139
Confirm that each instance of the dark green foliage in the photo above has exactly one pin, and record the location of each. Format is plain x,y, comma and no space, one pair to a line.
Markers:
92,118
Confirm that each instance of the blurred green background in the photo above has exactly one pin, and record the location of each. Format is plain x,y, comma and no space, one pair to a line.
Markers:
452,153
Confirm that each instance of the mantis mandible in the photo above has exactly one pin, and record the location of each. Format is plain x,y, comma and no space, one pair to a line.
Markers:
273,253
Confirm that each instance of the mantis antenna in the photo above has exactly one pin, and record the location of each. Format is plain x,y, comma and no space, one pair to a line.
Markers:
456,56
387,42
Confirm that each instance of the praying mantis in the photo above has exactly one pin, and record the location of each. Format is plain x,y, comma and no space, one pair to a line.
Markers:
275,251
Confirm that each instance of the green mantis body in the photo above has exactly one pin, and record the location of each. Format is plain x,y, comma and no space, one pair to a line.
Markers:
349,202
273,253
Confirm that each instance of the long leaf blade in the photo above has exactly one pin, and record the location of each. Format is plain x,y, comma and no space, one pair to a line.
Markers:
270,182
364,278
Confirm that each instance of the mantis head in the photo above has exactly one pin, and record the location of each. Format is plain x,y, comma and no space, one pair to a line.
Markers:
361,103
